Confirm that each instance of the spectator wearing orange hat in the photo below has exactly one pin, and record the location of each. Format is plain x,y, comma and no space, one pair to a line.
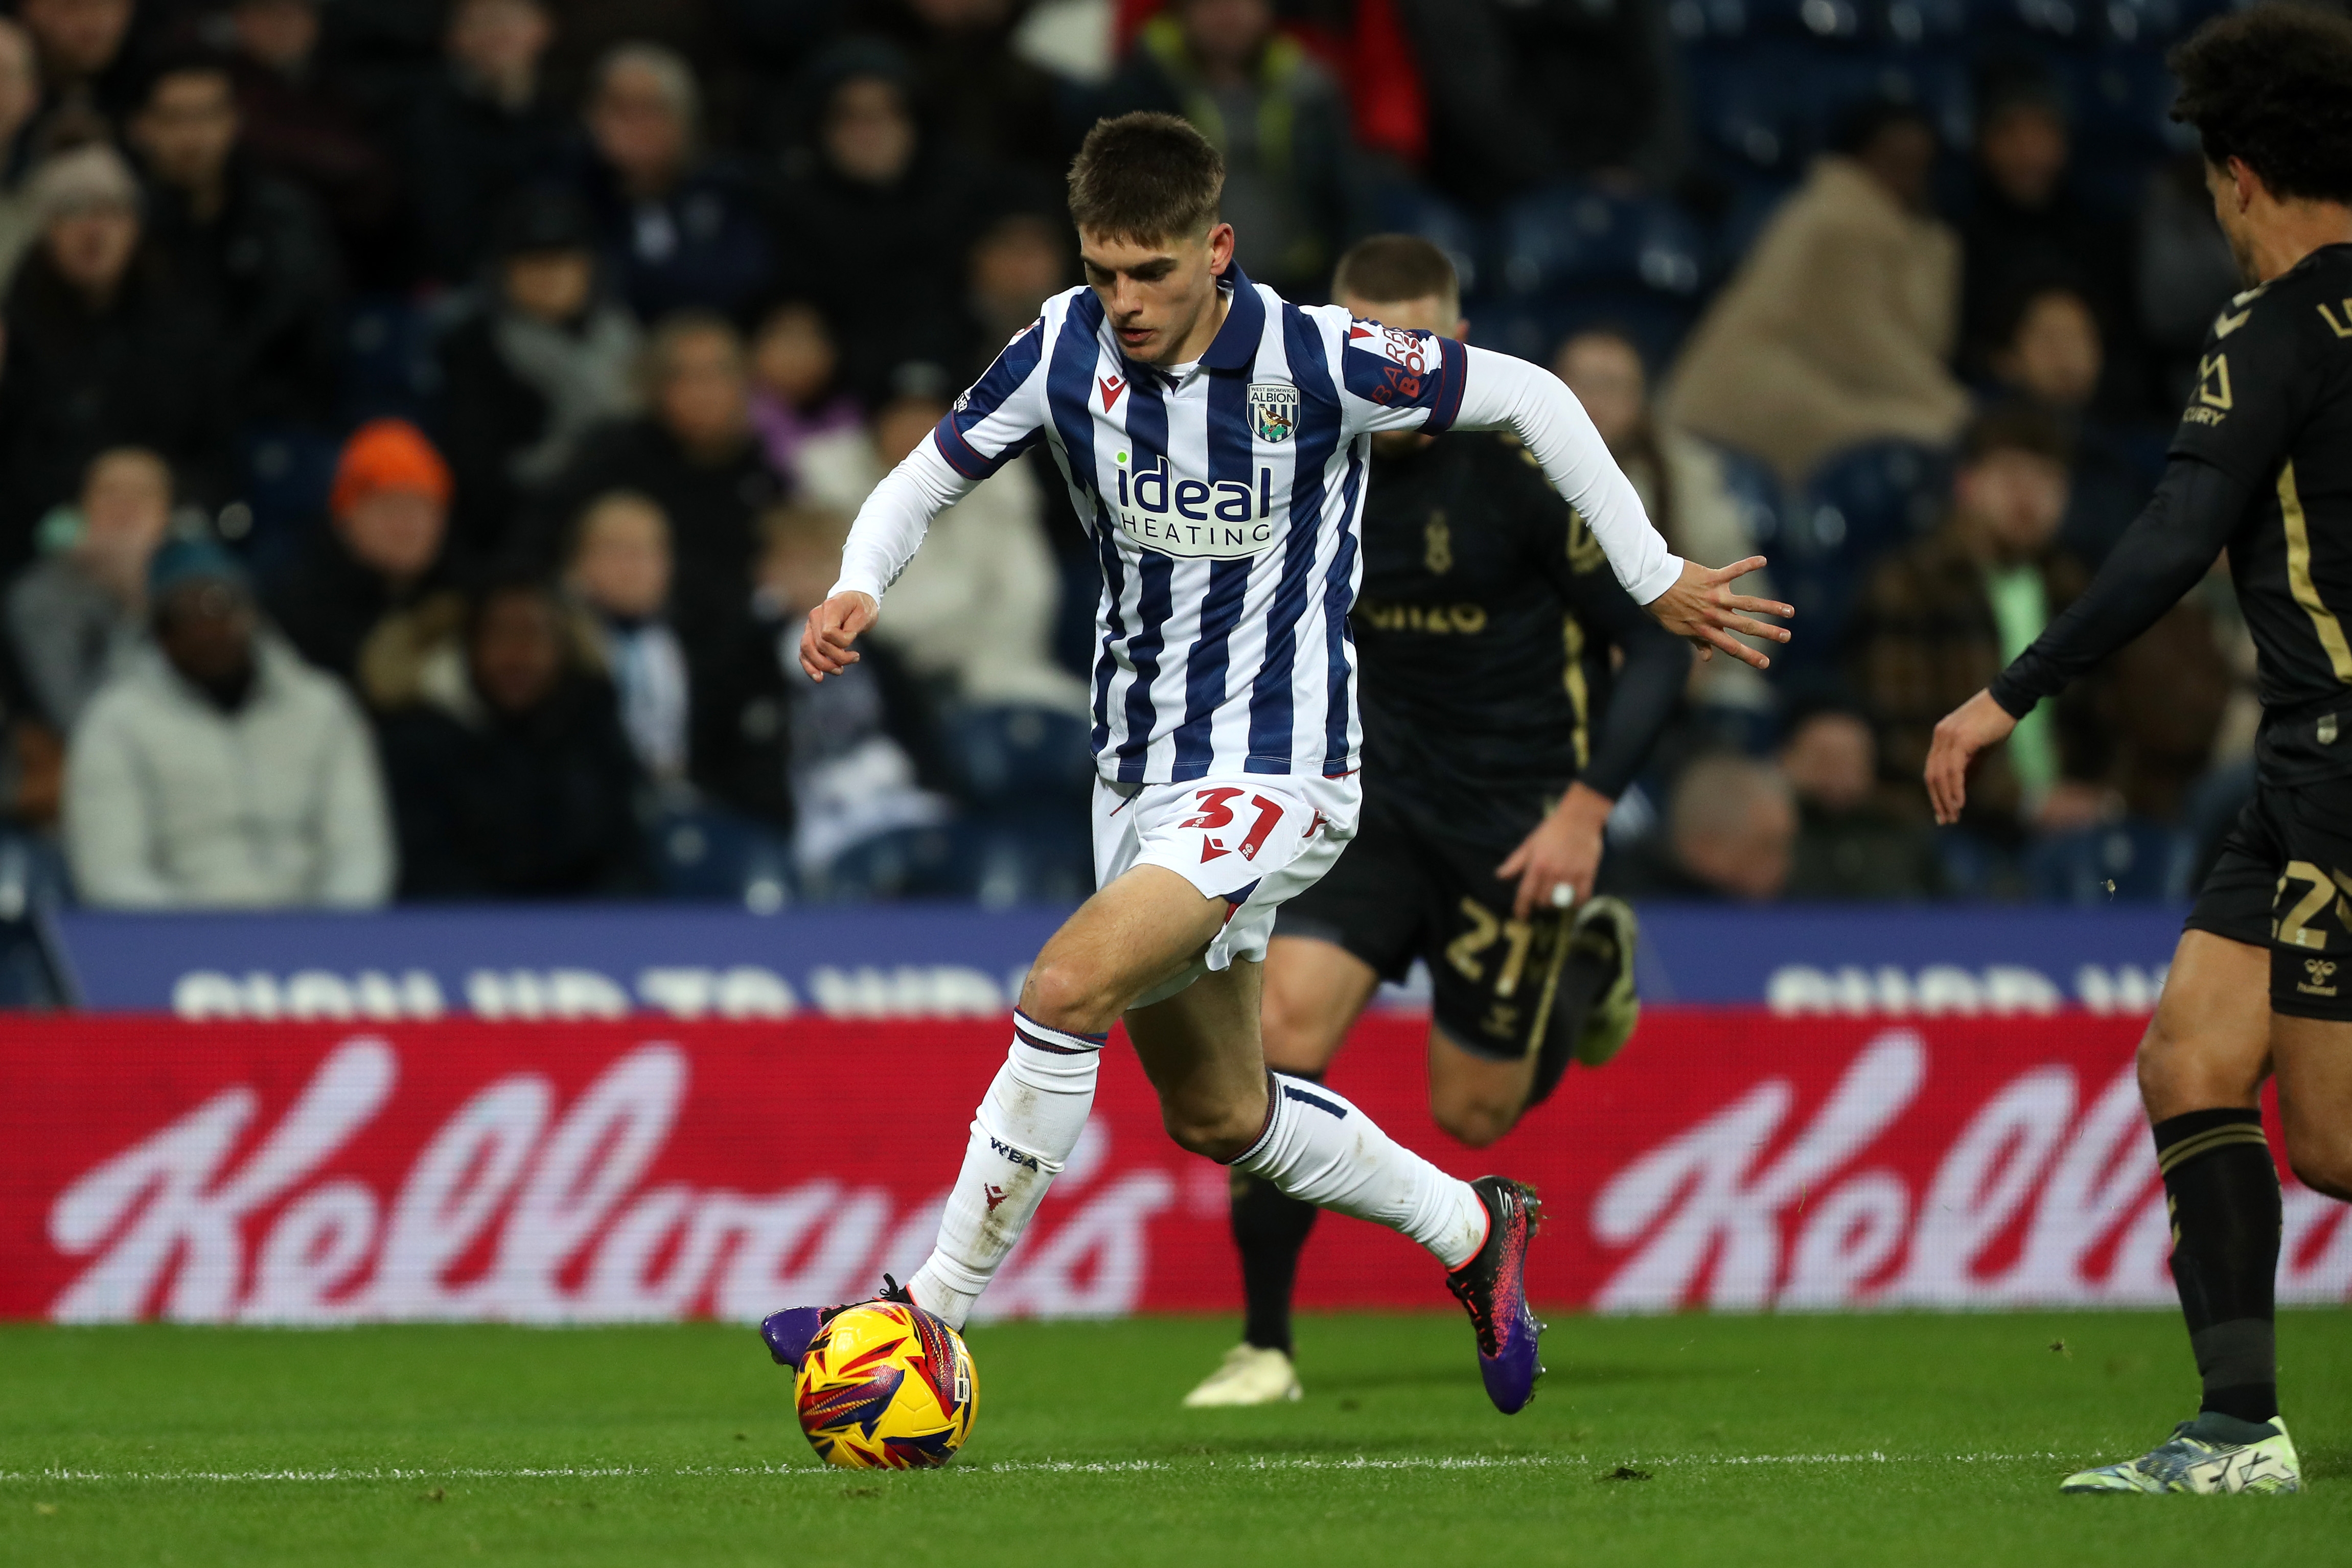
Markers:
384,554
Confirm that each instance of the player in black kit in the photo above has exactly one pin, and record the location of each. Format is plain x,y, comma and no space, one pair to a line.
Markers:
2262,982
1497,730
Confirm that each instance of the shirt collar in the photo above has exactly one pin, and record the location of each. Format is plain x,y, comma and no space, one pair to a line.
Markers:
1235,347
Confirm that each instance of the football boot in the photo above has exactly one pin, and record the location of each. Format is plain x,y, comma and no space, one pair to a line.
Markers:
789,1333
1492,1287
1248,1375
2214,1454
1607,924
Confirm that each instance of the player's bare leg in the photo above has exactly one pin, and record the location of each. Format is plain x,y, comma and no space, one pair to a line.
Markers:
2201,1067
2313,1058
1476,1099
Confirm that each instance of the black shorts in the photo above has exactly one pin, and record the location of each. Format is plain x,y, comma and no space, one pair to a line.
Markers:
1401,892
2283,881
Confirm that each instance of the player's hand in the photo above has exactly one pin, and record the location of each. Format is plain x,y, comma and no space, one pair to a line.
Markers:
1564,851
831,627
1963,733
1702,607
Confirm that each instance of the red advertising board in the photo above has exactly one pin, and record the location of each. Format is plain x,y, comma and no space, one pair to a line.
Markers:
306,1173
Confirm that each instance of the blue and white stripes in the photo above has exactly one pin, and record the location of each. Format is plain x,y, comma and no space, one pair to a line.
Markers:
1224,502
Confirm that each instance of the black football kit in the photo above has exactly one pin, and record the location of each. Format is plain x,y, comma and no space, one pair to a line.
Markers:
2261,466
1487,630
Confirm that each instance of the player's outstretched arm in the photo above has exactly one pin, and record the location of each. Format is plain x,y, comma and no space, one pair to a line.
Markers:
1702,606
1959,735
890,529
1501,392
833,627
2170,545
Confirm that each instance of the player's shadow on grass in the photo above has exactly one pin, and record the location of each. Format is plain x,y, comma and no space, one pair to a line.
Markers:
2327,1464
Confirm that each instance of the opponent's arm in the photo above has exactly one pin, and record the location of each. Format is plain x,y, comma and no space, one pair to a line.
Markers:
890,529
1564,850
1499,392
2167,549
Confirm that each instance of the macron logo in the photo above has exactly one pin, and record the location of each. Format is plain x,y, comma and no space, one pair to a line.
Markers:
1112,385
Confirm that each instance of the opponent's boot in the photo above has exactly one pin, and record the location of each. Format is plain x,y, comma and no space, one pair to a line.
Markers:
1249,1375
2214,1453
1608,922
788,1333
1597,1004
1492,1287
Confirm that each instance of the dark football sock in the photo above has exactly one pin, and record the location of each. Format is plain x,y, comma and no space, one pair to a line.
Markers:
2223,1193
1270,1227
1585,973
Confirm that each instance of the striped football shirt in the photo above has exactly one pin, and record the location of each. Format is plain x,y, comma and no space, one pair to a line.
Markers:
1223,501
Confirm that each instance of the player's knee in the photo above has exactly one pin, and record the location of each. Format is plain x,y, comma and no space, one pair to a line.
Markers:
2176,1074
1473,1119
1065,995
2321,1159
1221,1131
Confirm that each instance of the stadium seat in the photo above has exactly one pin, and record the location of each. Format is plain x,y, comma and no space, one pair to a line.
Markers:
285,473
1858,506
705,853
1018,756
1534,329
905,863
1036,858
1398,206
1576,236
1758,491
389,369
2133,860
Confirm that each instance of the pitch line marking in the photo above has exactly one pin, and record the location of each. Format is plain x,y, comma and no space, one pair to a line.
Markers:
1017,1467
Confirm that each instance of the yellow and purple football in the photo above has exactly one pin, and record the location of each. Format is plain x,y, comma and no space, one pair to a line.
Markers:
886,1386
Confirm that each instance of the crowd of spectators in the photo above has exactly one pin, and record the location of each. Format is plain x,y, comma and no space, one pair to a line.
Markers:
423,423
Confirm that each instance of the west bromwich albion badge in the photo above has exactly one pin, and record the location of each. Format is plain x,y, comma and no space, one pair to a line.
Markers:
1273,410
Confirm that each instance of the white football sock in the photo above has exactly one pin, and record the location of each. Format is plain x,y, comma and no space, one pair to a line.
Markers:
1025,1128
1319,1148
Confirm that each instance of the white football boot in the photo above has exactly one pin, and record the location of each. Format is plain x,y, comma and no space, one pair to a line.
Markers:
1247,1375
2214,1454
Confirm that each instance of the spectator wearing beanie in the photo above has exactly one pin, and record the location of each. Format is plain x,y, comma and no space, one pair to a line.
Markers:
542,357
217,770
383,557
103,350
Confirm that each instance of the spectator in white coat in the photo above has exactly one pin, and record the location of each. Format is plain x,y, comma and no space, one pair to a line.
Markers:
217,770
975,610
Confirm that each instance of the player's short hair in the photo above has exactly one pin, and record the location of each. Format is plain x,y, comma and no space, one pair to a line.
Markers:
2015,427
1145,177
2274,86
1389,268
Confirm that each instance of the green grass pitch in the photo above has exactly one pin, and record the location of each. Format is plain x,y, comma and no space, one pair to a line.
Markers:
1814,1440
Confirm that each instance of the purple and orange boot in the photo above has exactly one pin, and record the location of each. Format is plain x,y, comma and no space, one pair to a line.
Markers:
1492,1287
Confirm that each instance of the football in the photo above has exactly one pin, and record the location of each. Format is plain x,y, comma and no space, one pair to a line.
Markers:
886,1386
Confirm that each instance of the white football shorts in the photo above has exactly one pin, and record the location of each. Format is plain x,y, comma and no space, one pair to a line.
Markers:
1254,841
